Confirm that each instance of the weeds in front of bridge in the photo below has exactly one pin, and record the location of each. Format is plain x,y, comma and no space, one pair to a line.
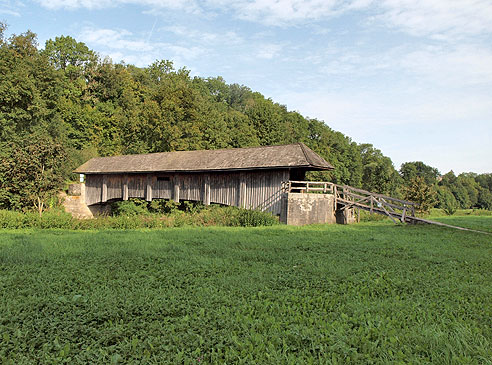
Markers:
131,218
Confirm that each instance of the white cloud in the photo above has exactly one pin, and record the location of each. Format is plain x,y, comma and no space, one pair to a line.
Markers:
456,66
226,38
8,7
441,19
122,45
268,51
286,12
100,4
114,39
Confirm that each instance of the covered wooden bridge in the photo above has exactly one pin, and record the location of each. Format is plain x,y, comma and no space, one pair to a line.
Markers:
244,177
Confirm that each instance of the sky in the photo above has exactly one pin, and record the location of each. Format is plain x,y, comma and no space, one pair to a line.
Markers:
411,77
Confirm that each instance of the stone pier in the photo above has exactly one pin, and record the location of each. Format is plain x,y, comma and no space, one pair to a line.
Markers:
74,202
305,208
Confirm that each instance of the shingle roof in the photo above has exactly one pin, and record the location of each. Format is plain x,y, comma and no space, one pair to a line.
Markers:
269,157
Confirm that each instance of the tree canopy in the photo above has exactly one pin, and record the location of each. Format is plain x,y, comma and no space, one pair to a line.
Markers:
85,106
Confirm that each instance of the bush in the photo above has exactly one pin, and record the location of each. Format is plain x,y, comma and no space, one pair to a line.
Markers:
129,208
253,218
132,215
447,201
366,216
421,193
49,219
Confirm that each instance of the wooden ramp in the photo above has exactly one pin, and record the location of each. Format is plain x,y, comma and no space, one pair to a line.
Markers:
348,197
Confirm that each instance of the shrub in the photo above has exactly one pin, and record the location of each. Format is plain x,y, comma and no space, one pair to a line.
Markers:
421,193
371,217
253,218
11,219
129,208
131,215
447,201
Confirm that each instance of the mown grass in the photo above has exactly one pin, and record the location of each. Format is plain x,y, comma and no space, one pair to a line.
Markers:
368,293
478,223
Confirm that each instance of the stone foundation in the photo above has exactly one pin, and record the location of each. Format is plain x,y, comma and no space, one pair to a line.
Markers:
299,209
74,202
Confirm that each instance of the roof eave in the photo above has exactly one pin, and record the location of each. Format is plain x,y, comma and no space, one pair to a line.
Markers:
309,167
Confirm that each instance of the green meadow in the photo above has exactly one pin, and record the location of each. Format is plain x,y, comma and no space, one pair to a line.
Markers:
369,293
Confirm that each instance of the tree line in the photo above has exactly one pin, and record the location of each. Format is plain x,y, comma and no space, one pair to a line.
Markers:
63,104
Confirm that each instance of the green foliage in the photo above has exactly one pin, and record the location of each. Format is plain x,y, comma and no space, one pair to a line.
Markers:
484,200
92,107
253,218
31,172
410,170
420,192
446,200
470,190
365,294
134,214
128,208
379,174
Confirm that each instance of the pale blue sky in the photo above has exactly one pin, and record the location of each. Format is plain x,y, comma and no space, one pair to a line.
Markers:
412,77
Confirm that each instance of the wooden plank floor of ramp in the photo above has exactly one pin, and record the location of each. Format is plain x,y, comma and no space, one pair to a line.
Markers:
348,197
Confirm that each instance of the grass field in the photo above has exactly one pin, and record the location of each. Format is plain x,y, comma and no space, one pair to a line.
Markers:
478,223
368,293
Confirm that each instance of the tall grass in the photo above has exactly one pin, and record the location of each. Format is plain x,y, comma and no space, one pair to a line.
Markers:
209,216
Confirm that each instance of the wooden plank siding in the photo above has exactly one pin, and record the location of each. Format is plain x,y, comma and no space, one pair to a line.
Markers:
261,189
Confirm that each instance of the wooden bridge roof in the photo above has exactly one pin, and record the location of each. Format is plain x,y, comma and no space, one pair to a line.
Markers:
269,157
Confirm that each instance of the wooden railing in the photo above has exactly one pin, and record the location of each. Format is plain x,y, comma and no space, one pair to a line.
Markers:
347,197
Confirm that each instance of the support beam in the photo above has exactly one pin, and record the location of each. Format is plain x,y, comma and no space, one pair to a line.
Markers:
104,190
148,189
206,190
242,190
176,189
125,187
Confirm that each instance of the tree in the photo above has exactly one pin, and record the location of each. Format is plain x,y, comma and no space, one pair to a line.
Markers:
31,172
471,186
65,53
29,90
410,170
266,118
379,174
447,201
484,199
420,192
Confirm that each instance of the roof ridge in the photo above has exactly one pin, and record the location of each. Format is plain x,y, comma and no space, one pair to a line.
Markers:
304,151
218,149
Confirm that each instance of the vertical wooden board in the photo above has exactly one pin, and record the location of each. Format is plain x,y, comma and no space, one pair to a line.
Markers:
114,186
104,190
148,187
164,189
136,186
176,187
93,186
125,187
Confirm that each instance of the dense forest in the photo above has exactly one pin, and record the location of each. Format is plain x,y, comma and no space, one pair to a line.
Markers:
61,105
